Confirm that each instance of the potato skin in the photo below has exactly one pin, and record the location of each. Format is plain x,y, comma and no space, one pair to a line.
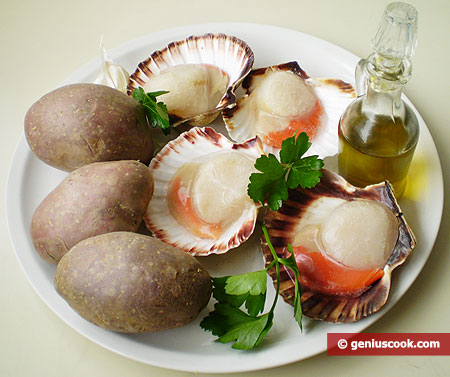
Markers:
129,282
97,198
79,124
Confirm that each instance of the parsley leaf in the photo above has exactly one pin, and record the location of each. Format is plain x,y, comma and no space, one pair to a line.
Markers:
305,172
291,171
292,148
224,318
248,334
255,304
220,294
251,285
156,112
229,322
270,184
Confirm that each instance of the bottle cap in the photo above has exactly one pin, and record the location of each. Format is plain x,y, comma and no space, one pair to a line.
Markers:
396,37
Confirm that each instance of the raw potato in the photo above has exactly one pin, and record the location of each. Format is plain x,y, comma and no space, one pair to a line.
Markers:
78,124
97,198
129,282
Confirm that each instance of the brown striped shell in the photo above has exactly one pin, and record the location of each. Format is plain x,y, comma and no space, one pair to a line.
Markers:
281,226
228,53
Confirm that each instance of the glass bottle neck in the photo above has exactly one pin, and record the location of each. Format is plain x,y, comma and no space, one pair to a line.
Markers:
381,80
384,102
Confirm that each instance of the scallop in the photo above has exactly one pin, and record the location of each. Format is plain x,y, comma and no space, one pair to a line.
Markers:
346,242
200,202
281,100
200,74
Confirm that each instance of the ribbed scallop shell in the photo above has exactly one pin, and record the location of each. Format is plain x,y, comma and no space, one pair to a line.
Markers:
281,226
230,54
335,95
194,145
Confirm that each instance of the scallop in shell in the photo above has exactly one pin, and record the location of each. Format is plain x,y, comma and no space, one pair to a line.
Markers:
200,202
200,73
282,99
346,241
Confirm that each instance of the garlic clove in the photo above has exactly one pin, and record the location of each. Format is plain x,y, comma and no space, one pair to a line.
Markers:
111,73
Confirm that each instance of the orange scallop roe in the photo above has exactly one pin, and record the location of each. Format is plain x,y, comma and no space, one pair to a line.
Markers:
308,123
180,205
321,273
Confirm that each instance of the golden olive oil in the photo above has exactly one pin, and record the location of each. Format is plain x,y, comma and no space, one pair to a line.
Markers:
377,148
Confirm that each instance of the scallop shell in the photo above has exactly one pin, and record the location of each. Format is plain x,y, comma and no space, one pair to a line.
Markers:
281,226
335,95
195,145
230,54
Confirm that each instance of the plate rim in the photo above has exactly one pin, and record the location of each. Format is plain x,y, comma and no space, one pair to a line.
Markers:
17,240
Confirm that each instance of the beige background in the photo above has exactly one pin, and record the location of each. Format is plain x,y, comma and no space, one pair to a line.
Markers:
42,42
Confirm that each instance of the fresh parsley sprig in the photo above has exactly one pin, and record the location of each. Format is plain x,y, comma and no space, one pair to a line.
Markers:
292,170
248,329
155,111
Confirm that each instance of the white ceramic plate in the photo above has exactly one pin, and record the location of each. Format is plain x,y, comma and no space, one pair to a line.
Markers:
190,348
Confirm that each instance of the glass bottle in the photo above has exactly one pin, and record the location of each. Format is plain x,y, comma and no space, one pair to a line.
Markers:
378,132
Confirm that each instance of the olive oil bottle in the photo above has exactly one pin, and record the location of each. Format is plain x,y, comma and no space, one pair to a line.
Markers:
378,132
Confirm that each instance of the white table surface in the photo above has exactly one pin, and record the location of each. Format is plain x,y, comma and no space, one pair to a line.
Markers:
42,42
